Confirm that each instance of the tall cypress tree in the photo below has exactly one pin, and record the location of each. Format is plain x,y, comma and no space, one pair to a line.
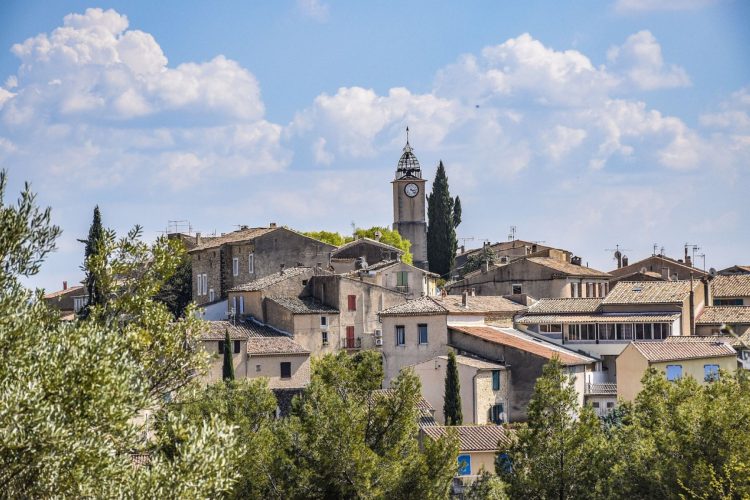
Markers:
227,372
452,399
441,231
93,245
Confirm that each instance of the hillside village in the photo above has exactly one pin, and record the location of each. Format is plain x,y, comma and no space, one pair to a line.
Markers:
282,298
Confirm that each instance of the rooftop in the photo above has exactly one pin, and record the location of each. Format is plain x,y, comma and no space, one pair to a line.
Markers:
649,292
733,341
304,305
510,337
716,315
597,318
368,241
235,236
60,293
562,306
271,279
241,330
474,437
737,285
417,307
565,267
655,263
477,304
675,351
266,346
475,362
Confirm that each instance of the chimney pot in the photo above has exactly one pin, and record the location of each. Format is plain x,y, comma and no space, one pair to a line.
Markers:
465,298
65,285
272,225
197,238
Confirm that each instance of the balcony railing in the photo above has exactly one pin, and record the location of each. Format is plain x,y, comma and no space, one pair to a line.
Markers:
352,343
402,288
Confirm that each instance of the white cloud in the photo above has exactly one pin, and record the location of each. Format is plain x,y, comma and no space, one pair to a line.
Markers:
733,114
562,140
640,60
627,6
314,9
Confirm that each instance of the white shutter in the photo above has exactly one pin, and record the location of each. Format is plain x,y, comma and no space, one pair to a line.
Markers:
242,304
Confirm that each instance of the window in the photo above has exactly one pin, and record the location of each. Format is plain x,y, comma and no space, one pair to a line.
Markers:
550,328
589,289
251,263
352,302
582,332
199,284
324,336
235,266
464,465
205,283
422,333
495,380
402,278
595,405
221,347
516,289
574,289
350,343
323,321
728,302
710,373
610,405
211,295
286,369
496,414
606,331
242,304
641,332
674,372
257,368
236,346
400,335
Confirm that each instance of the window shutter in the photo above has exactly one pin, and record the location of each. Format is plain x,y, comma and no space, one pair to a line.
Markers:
352,302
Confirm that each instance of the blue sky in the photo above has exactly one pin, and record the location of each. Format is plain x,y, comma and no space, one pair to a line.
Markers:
584,124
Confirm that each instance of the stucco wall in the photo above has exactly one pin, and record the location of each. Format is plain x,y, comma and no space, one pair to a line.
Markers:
278,316
308,333
397,357
270,367
254,301
217,360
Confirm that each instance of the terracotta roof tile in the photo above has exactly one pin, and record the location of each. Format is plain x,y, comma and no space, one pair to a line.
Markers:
523,342
241,330
660,261
597,318
478,304
731,286
267,346
474,362
474,437
566,305
568,268
368,241
233,237
416,307
271,279
675,351
733,341
304,305
60,293
716,315
650,292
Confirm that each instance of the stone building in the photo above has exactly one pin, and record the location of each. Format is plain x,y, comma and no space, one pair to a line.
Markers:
399,276
409,200
504,252
221,263
661,265
69,301
248,299
539,277
730,290
361,253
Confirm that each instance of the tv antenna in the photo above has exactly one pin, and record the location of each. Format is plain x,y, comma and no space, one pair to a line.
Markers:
512,234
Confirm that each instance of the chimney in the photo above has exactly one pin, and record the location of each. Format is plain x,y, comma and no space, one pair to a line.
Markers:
281,269
624,261
688,260
473,292
465,298
65,285
197,239
272,225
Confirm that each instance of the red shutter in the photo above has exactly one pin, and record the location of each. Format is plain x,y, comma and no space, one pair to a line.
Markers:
352,302
350,335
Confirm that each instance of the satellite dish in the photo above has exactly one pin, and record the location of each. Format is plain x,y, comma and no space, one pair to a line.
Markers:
712,272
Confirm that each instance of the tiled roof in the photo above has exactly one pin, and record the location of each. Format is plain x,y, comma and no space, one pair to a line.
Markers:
731,286
473,362
640,276
60,293
716,315
597,318
733,341
649,292
736,269
658,261
518,340
561,306
271,279
304,305
265,346
605,388
478,304
423,406
474,437
368,241
416,307
568,268
233,237
674,351
241,330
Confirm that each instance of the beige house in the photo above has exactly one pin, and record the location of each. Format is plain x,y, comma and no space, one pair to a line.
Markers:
505,251
399,276
665,267
545,276
221,263
312,324
248,299
484,388
700,360
68,301
257,351
730,290
417,330
713,318
478,446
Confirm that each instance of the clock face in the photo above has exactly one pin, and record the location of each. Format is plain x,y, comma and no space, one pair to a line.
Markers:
411,190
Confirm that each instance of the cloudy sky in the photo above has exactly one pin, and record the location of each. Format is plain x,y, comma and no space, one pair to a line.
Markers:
585,124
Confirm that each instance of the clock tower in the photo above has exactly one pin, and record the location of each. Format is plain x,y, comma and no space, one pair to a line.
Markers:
409,200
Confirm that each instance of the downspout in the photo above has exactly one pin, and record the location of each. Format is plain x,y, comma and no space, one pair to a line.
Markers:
692,306
474,397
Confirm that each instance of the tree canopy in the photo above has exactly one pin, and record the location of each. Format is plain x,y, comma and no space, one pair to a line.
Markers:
444,215
386,235
452,398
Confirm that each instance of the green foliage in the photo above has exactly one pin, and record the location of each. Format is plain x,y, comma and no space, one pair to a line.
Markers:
456,212
332,238
387,236
441,230
452,399
227,369
177,292
72,395
94,246
562,452
477,259
487,487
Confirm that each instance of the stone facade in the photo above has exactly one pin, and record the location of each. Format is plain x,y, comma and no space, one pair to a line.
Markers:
401,277
293,284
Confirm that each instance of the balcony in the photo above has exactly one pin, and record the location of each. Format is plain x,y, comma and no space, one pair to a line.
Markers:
352,343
